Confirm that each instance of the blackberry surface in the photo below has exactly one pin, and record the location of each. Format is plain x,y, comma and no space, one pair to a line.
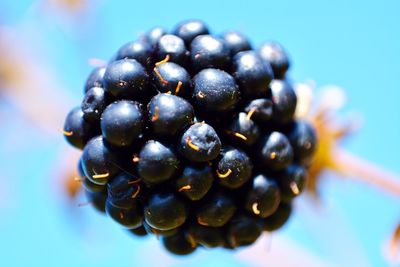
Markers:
139,50
234,168
216,210
199,143
169,114
151,230
263,196
192,137
157,162
207,51
122,123
276,56
172,47
125,78
123,191
179,244
190,29
95,78
140,231
195,181
236,42
153,35
99,163
261,110
130,218
94,103
164,211
214,91
243,126
209,237
97,200
77,130
243,230
284,101
303,140
274,152
252,74
172,78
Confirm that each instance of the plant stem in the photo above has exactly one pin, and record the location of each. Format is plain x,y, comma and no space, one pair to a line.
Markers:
353,166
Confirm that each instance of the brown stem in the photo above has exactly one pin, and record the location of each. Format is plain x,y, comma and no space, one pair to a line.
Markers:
353,166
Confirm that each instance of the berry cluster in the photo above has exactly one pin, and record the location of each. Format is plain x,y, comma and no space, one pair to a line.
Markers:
191,137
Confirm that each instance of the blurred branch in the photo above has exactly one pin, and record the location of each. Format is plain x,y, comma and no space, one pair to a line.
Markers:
365,171
28,84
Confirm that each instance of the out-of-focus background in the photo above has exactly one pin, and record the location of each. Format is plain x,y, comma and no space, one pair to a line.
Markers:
45,46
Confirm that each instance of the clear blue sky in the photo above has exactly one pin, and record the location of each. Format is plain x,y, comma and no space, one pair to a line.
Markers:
353,44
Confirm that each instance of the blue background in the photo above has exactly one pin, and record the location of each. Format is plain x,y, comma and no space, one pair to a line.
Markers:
352,44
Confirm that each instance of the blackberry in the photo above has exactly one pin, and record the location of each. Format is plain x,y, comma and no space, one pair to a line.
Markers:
192,137
94,103
87,184
195,181
157,232
244,130
252,74
188,30
140,231
92,187
236,42
153,35
209,237
303,140
140,50
173,48
178,244
263,197
243,230
123,191
207,51
278,218
216,210
77,130
130,218
125,78
99,163
122,123
157,162
275,54
95,78
164,211
215,91
275,152
283,101
172,78
97,199
169,114
260,110
234,169
200,143
292,182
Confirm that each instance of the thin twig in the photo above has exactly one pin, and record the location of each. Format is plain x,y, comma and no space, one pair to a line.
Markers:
353,166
